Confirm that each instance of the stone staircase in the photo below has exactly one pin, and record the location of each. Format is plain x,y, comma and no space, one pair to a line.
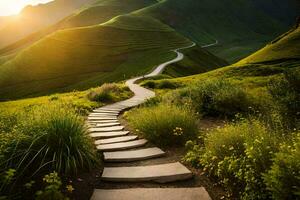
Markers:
120,146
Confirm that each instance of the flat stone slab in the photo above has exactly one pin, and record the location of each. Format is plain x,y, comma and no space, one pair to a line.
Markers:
133,155
109,134
122,145
107,111
116,140
107,129
103,114
98,118
103,121
99,125
198,193
162,173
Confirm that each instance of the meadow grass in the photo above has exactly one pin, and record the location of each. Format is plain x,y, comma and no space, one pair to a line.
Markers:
164,125
43,134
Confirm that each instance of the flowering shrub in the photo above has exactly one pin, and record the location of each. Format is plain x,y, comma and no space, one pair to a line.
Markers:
237,155
283,179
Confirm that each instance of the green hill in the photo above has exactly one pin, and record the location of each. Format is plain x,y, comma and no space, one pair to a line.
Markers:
284,48
34,18
93,14
256,71
88,56
240,26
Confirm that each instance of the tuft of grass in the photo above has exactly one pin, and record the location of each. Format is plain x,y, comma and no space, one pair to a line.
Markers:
164,125
52,138
109,92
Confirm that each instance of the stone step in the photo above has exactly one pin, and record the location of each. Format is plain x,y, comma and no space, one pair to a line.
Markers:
109,134
162,173
106,111
102,115
116,140
103,121
107,129
133,155
99,125
102,118
197,193
122,145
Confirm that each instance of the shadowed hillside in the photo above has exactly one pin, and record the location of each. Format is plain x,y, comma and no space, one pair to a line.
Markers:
284,48
241,27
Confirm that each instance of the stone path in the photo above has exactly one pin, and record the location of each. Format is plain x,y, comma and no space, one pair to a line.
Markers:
119,146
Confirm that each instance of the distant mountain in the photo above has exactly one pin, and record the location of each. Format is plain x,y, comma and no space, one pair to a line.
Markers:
240,26
34,18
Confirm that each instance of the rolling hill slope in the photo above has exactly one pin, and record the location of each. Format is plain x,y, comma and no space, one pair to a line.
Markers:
256,71
120,48
98,12
34,18
284,48
240,26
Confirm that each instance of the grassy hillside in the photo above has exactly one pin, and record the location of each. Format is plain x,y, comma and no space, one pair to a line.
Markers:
241,27
284,48
83,57
98,12
34,18
196,60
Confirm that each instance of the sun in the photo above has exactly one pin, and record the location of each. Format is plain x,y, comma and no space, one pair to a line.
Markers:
13,7
10,8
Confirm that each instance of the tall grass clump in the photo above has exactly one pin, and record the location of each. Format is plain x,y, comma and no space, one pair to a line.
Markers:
53,138
164,125
215,97
238,155
108,92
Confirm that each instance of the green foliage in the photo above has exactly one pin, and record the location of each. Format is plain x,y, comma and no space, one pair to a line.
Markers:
49,138
164,125
286,91
52,189
215,97
163,84
238,155
283,179
108,93
6,179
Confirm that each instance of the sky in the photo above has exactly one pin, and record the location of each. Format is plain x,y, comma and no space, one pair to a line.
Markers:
13,7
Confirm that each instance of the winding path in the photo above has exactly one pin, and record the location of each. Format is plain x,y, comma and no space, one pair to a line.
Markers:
119,146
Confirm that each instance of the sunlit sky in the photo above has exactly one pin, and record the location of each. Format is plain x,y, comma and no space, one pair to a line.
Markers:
13,7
